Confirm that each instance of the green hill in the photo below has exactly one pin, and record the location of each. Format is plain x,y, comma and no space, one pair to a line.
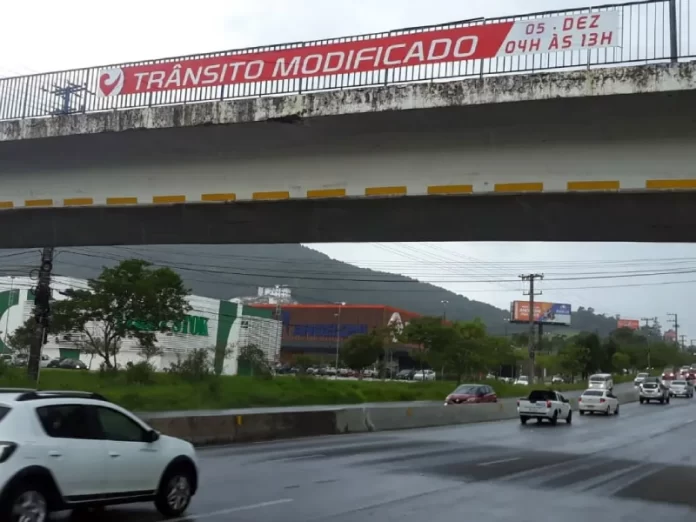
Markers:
227,271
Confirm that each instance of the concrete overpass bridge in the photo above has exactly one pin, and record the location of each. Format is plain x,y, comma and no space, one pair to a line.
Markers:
599,146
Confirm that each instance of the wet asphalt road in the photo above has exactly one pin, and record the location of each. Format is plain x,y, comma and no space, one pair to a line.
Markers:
638,466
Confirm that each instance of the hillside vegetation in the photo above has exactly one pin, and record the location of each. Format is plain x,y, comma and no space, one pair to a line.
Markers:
226,271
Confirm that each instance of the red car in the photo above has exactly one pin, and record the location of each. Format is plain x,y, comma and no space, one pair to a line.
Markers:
471,394
668,376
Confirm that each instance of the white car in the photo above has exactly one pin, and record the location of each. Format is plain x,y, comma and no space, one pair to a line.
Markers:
545,404
598,401
522,380
72,450
424,375
640,378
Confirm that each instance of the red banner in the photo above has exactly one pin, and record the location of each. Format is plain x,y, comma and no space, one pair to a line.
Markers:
552,34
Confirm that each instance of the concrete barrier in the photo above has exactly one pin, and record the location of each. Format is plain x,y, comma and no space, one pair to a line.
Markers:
206,429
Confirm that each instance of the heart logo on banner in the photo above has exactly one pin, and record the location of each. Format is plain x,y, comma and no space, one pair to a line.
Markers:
111,82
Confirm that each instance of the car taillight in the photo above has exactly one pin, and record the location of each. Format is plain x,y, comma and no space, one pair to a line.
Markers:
548,404
518,402
6,450
602,400
579,399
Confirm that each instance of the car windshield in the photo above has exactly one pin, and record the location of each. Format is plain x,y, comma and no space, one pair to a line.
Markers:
593,393
650,385
598,379
4,410
679,383
466,389
523,378
642,375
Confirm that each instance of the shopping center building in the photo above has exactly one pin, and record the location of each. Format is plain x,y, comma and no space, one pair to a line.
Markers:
209,324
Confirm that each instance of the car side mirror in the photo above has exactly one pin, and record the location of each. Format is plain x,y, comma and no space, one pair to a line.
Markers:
152,436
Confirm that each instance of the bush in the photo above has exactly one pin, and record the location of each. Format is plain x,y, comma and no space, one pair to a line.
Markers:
193,386
197,366
140,373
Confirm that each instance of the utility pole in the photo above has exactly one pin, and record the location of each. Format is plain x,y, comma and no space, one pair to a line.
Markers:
340,304
42,312
682,338
444,302
675,322
66,95
531,293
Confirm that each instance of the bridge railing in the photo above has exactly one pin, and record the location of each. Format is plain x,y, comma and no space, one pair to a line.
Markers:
651,31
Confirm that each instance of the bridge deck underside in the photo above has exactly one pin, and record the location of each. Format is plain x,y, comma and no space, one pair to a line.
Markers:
617,168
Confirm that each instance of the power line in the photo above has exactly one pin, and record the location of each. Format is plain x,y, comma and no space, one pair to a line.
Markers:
218,270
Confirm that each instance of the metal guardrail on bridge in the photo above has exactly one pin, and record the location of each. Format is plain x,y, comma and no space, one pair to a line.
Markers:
650,31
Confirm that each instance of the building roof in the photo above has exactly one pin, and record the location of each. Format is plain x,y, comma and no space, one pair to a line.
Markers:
333,306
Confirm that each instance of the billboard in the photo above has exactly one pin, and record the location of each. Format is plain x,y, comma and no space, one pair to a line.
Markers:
315,323
499,39
544,313
633,324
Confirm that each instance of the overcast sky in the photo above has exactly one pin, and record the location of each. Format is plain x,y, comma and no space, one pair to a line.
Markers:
48,35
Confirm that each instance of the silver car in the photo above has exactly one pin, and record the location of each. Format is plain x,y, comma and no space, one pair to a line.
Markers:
681,388
653,390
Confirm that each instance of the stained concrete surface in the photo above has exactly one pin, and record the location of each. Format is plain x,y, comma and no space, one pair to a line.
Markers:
636,466
600,82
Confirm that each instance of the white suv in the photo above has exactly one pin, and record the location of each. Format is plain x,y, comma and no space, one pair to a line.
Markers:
72,450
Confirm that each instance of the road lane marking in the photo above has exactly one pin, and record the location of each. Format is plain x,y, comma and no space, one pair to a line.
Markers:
300,457
220,512
491,463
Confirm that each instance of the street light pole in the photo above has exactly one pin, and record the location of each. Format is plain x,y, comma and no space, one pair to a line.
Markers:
7,320
444,302
340,304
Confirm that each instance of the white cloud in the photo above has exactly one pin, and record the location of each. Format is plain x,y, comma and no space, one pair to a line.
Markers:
50,35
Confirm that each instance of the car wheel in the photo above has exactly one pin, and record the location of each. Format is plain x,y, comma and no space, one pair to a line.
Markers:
608,410
524,420
569,418
175,492
581,412
25,503
616,411
554,419
641,400
667,400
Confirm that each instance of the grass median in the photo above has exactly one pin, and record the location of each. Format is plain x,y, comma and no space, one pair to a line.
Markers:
169,392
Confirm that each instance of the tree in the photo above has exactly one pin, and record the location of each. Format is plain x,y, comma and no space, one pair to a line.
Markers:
362,350
132,299
593,356
574,359
431,336
467,351
23,337
149,351
253,358
620,361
